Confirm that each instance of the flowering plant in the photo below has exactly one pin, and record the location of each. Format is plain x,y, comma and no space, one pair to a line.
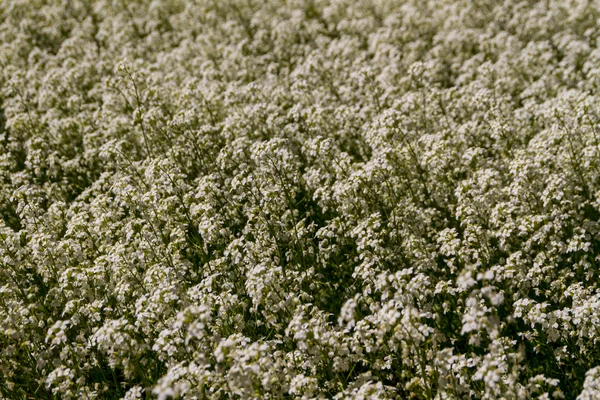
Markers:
308,199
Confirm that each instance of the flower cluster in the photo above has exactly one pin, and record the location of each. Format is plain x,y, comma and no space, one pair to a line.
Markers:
308,199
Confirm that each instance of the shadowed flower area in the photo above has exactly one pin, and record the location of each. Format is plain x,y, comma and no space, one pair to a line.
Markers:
299,199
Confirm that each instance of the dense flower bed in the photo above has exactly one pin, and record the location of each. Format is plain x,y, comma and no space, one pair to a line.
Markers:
348,199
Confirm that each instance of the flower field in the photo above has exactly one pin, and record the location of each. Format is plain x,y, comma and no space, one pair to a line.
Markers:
300,199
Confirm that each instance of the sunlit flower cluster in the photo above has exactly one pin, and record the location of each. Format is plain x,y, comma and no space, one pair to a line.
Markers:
307,199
